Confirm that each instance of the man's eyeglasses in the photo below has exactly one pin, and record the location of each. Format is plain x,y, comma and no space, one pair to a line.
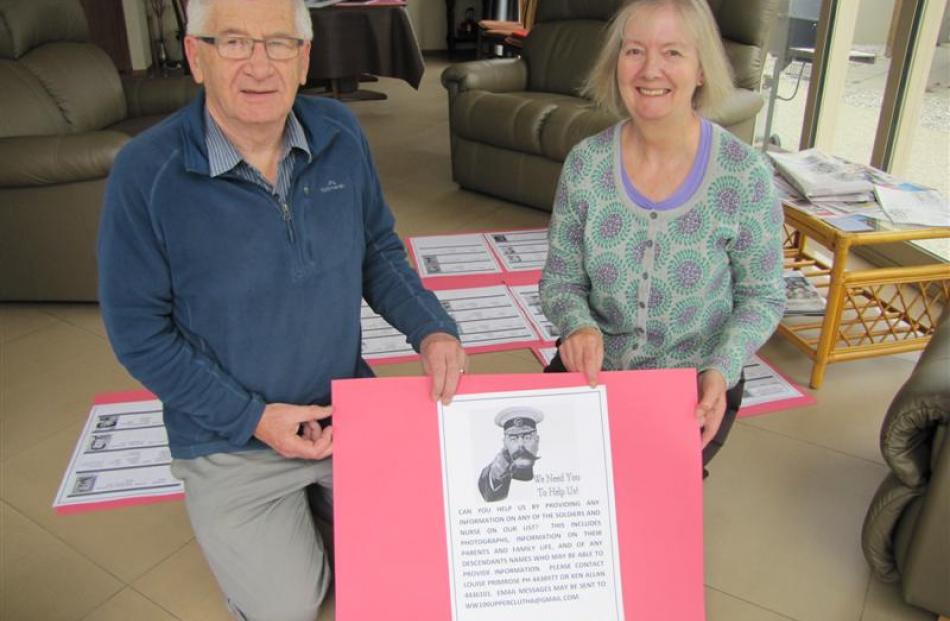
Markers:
242,48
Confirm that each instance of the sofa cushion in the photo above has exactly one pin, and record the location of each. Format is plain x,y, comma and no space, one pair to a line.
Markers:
135,125
48,160
560,10
28,110
560,54
504,120
29,24
66,71
744,35
573,120
746,61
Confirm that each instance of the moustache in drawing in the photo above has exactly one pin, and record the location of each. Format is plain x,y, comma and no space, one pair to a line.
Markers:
523,453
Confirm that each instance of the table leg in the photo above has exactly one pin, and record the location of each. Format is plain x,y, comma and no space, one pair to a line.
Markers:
347,89
450,27
833,311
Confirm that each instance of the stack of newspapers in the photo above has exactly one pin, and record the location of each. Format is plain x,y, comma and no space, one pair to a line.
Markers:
853,196
819,176
802,297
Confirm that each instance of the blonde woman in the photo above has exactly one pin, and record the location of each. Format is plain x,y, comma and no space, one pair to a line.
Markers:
665,236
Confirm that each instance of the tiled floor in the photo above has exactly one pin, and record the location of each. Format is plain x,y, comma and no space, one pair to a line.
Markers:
784,504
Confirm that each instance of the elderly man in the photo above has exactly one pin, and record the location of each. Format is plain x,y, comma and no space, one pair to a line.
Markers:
516,458
237,240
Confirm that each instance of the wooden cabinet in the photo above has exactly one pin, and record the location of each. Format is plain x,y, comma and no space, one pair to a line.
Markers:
107,30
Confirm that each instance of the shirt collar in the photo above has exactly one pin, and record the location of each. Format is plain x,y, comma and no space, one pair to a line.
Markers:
223,156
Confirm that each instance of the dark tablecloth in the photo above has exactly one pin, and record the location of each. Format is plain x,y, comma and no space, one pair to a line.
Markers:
352,40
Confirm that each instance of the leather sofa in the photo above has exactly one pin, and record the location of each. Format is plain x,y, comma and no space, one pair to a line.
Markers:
906,534
64,114
513,121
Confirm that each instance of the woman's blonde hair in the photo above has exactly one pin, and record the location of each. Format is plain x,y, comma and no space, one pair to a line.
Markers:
698,21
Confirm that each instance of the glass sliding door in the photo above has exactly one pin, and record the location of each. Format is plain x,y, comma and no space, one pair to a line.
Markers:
879,93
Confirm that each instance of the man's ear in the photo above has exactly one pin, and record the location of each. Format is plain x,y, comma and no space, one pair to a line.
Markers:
304,59
191,52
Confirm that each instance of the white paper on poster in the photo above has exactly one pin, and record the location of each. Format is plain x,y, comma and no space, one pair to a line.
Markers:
453,255
530,301
540,543
764,385
547,354
122,453
521,250
486,316
379,339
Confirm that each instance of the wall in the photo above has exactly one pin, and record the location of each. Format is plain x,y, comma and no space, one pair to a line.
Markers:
874,19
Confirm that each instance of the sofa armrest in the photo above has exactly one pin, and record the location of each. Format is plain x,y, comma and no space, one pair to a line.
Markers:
880,525
741,106
146,96
920,407
925,573
498,76
47,160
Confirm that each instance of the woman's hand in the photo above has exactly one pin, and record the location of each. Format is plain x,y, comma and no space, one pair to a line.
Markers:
583,351
712,403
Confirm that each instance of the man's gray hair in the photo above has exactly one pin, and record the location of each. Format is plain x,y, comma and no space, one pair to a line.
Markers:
200,10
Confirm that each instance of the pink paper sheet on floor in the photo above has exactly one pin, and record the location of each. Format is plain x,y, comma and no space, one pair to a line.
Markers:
109,398
776,405
470,280
391,551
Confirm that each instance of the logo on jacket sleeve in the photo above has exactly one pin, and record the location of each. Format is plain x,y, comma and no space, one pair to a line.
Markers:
332,186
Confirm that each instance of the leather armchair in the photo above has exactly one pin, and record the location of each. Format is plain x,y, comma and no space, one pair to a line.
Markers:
513,121
906,534
64,114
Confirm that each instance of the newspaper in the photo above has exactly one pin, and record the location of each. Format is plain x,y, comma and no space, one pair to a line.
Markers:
802,297
925,207
818,175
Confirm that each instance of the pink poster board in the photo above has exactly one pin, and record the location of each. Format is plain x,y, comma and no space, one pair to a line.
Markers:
391,551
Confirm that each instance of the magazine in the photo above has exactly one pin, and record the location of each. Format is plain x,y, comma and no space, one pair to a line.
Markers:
802,297
853,223
818,175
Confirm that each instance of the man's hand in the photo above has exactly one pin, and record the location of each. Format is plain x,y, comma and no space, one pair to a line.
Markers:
280,427
712,403
500,467
443,359
583,351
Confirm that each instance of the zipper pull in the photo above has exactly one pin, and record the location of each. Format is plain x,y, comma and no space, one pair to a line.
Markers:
285,212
